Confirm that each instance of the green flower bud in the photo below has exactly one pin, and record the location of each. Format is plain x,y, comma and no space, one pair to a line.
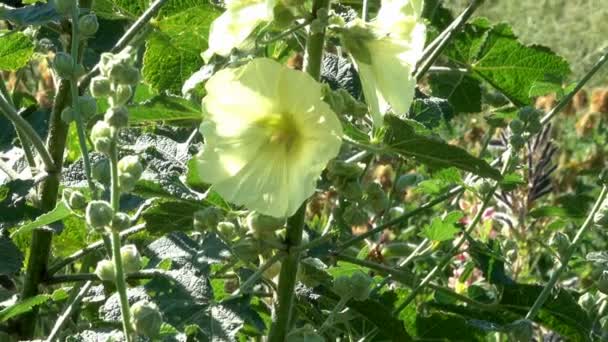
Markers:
247,249
64,7
376,198
146,319
561,243
77,200
129,171
601,216
282,15
517,126
120,221
131,260
87,106
353,215
88,25
227,229
99,214
105,270
121,95
102,136
602,282
528,114
207,219
64,65
67,115
117,117
261,224
516,142
100,87
396,250
106,60
101,171
521,330
122,73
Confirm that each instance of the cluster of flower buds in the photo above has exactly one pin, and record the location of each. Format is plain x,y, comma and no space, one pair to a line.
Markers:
129,172
526,125
131,262
357,286
66,67
100,217
118,76
146,319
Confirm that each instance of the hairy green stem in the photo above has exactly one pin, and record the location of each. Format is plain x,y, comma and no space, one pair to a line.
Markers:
121,285
542,298
456,247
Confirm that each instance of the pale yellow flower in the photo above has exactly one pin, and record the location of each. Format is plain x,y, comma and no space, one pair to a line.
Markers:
268,136
392,49
233,28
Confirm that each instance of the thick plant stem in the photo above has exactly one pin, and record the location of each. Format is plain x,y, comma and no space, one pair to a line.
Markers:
121,284
287,278
313,56
542,298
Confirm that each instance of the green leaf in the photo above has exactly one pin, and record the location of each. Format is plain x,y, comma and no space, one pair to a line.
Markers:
60,212
402,138
16,49
442,229
495,55
168,216
164,108
431,111
462,91
11,258
173,52
23,307
30,15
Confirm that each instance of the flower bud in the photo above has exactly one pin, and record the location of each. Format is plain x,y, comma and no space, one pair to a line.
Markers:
76,200
100,87
64,65
117,117
106,61
99,214
246,249
227,229
129,172
105,270
602,282
101,170
207,219
121,95
131,260
67,115
122,73
516,142
528,114
353,215
87,106
120,221
64,7
261,224
517,126
88,25
376,198
146,319
102,135
352,190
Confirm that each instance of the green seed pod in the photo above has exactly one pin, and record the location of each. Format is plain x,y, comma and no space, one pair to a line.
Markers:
261,224
227,229
105,270
64,65
100,87
521,330
88,25
87,106
602,282
360,285
396,250
517,126
67,115
101,171
102,135
353,215
121,221
121,95
122,73
117,117
77,200
207,219
64,7
146,319
131,260
305,334
99,214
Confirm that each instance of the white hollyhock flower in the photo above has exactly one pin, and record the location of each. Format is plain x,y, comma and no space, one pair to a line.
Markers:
268,136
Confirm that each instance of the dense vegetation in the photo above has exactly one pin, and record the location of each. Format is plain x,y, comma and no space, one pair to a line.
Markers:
302,170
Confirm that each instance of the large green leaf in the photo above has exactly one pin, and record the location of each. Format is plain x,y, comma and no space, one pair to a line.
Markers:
402,138
16,49
462,91
164,108
60,212
173,52
22,307
11,258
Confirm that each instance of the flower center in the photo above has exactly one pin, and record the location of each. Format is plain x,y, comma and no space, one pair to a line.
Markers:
282,131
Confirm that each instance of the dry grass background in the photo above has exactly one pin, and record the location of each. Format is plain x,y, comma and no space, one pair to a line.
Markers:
576,29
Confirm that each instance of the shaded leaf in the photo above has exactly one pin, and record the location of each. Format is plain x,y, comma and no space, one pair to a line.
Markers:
38,14
463,92
11,258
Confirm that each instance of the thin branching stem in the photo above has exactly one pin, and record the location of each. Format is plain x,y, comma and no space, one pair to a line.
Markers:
68,311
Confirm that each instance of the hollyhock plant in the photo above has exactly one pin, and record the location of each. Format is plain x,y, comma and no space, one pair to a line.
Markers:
268,136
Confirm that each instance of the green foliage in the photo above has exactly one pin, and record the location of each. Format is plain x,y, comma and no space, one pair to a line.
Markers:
60,212
16,49
22,307
442,229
